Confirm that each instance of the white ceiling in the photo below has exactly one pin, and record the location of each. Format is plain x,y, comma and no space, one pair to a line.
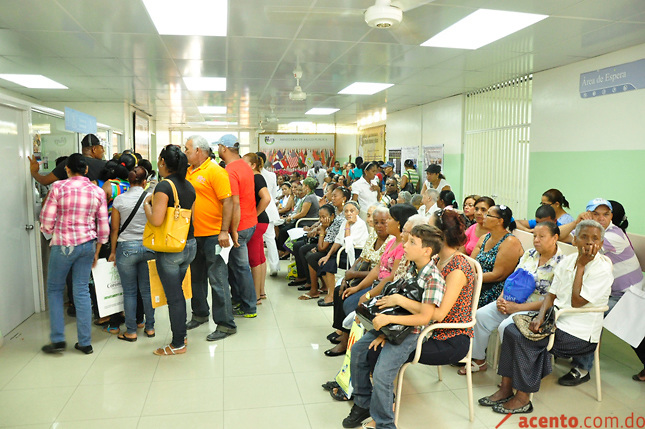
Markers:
110,51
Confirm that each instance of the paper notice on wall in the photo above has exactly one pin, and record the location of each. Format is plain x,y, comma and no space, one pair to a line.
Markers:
410,153
432,155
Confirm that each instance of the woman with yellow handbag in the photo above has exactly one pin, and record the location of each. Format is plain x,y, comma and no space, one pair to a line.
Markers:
169,232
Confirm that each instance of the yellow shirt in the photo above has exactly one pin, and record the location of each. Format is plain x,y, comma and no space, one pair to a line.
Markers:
211,186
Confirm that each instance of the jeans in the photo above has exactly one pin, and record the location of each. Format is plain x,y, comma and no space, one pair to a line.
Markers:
378,398
586,361
172,269
61,260
239,273
132,262
208,265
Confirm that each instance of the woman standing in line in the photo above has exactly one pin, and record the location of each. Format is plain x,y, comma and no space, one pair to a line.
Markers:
75,213
130,255
434,179
410,177
257,259
172,267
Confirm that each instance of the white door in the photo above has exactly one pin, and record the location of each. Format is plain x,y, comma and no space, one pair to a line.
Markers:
16,277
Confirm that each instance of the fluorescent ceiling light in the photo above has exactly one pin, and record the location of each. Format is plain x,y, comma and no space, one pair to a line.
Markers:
365,88
482,27
321,111
32,81
212,110
189,17
205,83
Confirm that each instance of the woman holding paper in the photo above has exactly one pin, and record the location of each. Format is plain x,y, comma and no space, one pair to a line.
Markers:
172,267
131,257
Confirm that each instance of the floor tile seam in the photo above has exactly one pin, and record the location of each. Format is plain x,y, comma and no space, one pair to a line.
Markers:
143,404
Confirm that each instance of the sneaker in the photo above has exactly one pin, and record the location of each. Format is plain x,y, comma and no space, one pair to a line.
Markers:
573,378
192,324
241,313
218,335
88,350
356,417
54,347
236,305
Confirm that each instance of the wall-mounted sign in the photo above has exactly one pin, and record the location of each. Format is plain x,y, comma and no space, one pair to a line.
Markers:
612,80
297,141
79,122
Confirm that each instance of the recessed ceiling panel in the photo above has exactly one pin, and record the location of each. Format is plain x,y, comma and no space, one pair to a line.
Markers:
77,45
270,19
597,9
373,53
132,45
28,15
195,47
114,16
254,49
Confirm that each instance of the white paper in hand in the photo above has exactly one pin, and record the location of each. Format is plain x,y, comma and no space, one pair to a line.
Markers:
225,251
296,233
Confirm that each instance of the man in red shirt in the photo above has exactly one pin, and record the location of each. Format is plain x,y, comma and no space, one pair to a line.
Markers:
242,227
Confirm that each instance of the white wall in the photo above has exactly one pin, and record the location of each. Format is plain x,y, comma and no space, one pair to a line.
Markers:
564,121
346,145
403,128
443,124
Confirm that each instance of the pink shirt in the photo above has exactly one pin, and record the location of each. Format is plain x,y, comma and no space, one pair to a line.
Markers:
472,239
75,212
388,258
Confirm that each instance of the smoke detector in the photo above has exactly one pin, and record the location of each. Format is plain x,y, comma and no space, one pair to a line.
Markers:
297,94
383,14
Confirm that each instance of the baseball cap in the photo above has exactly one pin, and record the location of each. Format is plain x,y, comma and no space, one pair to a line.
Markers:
597,202
90,140
388,164
433,168
228,140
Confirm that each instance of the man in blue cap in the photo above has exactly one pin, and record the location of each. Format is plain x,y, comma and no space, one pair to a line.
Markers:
243,223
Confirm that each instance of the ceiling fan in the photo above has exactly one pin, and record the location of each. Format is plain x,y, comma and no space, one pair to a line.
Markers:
382,14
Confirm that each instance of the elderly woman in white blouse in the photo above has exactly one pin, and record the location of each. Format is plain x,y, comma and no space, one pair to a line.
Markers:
352,234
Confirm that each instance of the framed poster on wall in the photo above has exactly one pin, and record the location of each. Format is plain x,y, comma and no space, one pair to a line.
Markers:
432,155
394,156
141,125
371,143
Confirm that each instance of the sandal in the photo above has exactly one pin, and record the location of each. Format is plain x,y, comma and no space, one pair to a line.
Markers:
150,333
128,339
114,330
169,350
259,301
474,367
306,297
330,385
263,296
338,394
141,325
102,321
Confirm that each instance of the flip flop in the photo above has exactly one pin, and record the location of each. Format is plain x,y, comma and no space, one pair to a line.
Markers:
306,297
128,339
114,330
150,333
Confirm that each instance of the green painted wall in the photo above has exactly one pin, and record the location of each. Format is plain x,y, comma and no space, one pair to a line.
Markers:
452,169
582,176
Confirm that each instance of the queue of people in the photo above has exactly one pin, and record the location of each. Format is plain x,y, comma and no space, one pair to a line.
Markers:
358,218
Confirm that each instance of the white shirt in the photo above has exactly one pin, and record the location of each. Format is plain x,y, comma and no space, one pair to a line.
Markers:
320,176
442,184
366,197
596,287
272,186
358,235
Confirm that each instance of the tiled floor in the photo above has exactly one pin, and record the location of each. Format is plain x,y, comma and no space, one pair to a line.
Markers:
266,376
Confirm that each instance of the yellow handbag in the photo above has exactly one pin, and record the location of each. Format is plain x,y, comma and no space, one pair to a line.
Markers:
170,236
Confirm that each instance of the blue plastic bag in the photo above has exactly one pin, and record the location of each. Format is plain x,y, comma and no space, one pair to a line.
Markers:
519,286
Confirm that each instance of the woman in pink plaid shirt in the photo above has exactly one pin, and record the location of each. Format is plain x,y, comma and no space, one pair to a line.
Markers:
75,213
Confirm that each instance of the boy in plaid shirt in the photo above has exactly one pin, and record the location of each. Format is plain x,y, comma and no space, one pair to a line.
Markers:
376,400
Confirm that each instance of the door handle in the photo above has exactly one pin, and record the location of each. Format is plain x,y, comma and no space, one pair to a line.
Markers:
29,227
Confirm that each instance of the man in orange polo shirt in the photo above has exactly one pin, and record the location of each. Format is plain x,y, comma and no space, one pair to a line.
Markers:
242,225
212,219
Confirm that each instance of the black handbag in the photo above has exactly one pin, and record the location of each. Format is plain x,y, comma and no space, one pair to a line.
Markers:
394,333
362,265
